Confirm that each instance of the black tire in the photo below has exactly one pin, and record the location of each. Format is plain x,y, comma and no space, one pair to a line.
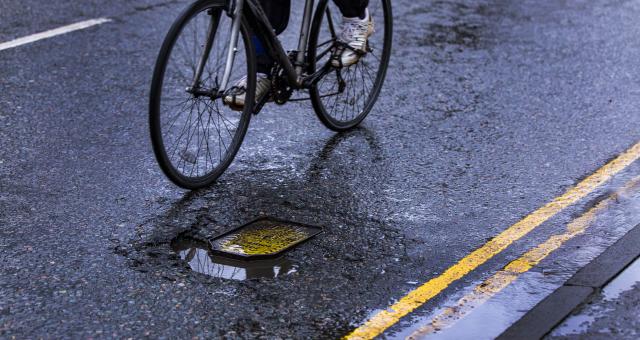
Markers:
211,111
372,68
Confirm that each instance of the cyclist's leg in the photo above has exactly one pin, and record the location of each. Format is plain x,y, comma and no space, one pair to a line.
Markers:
277,12
352,8
357,27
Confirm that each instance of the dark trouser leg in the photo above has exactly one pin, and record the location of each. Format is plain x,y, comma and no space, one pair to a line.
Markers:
352,8
278,13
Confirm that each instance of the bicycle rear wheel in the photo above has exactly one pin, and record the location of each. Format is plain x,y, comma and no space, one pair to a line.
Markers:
345,96
195,137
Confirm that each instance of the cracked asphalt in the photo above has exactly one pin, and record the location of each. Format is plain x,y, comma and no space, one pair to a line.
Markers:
490,110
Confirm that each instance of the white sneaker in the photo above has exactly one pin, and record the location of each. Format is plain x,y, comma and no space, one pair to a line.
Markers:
235,97
355,32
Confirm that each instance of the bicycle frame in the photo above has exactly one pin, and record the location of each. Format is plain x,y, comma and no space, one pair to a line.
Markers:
260,26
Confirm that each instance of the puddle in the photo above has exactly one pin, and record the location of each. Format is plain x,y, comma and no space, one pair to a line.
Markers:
202,259
580,323
623,282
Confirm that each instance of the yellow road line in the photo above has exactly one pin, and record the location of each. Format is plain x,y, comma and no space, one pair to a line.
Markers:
516,268
417,297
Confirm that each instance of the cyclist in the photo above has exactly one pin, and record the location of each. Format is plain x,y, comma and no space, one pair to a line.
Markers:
357,26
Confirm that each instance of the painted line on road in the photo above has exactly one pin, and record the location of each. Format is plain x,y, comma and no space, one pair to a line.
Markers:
503,278
52,33
419,296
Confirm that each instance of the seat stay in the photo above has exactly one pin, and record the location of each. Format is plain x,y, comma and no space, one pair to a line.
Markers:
303,41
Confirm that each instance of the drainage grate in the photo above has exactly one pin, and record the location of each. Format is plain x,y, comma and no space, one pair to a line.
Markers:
263,238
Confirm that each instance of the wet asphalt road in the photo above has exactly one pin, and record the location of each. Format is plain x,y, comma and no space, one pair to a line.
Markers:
490,110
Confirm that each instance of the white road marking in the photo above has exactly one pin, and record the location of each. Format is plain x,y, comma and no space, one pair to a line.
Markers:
52,33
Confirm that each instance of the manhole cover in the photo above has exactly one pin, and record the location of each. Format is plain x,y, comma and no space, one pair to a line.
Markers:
262,238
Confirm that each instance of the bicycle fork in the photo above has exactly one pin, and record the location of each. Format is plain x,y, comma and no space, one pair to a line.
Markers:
236,8
211,32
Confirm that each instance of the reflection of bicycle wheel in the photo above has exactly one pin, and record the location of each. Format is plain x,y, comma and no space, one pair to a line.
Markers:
195,137
344,97
368,152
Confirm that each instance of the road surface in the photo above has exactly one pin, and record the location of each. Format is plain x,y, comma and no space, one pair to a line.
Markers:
491,110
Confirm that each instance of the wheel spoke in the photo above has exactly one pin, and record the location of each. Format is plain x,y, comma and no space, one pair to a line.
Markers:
193,127
345,109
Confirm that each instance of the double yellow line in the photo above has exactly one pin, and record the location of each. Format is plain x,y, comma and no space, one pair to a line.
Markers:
500,280
419,296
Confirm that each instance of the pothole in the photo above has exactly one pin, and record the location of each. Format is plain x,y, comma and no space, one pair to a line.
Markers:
254,250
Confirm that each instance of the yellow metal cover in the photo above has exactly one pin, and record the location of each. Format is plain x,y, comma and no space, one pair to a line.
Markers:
264,237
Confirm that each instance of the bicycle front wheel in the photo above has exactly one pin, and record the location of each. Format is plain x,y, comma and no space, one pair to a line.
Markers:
345,96
195,136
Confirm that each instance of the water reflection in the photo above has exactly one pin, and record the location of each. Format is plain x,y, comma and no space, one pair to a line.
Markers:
198,254
580,323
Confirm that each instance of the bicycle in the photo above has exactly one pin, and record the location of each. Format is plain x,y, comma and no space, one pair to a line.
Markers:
199,58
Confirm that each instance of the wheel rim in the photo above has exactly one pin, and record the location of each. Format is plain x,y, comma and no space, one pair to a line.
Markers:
347,95
200,136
